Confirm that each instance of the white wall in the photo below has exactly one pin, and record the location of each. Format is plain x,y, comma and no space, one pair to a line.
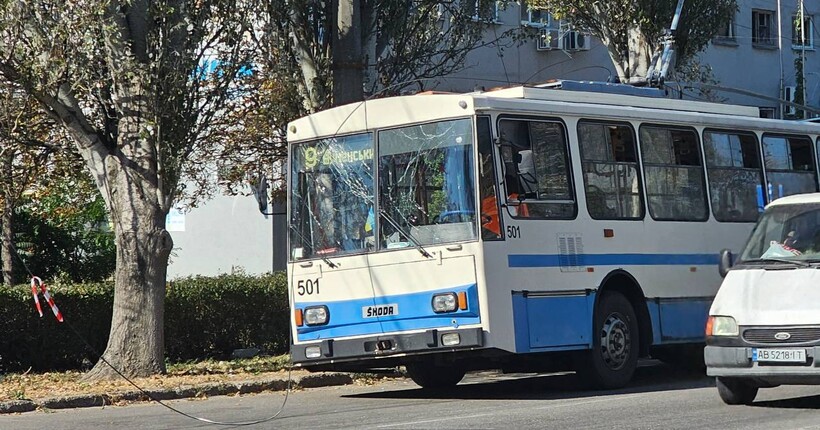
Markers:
223,235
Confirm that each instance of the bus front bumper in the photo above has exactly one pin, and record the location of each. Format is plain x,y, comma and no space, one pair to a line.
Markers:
382,346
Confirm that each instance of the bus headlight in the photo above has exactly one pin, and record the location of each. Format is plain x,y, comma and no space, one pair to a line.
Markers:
447,302
721,326
316,315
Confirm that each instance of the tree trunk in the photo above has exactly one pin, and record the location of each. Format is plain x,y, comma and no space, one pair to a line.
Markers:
639,55
130,181
136,343
7,221
348,64
631,60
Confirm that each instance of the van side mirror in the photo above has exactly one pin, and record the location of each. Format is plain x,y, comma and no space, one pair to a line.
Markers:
725,263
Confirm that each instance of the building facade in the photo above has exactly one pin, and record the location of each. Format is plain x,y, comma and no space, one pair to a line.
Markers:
755,53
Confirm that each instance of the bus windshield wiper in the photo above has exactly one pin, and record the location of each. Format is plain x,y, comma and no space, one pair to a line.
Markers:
777,260
406,234
330,264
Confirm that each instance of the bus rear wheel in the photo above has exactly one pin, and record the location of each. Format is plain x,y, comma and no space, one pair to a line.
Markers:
434,376
615,343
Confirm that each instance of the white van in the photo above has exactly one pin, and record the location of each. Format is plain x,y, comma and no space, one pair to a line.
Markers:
764,325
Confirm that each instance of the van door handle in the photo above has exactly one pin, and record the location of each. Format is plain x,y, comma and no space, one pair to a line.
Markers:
454,248
306,264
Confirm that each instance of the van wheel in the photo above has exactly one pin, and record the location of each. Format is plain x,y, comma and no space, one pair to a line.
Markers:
615,344
434,376
736,391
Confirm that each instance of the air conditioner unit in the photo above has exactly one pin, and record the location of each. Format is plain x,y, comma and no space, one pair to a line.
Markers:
788,95
548,39
575,41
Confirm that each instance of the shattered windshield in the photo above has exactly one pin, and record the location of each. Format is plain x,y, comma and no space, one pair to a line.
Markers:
787,232
426,184
331,197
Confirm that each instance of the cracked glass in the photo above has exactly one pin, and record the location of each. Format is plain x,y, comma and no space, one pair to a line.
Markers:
426,184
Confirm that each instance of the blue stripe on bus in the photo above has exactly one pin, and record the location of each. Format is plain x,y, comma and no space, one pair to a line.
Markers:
561,323
552,323
415,312
679,320
558,260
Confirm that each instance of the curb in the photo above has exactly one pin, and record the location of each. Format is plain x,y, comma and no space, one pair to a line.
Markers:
202,390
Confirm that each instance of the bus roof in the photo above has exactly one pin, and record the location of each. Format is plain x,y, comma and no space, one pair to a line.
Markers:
618,95
596,99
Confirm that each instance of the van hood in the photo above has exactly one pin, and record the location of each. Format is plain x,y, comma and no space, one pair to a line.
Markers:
770,297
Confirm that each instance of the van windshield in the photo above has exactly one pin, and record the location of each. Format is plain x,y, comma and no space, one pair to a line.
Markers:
788,232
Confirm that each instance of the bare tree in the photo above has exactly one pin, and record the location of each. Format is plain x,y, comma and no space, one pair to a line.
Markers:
136,85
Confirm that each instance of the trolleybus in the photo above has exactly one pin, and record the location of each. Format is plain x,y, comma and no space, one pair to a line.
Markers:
527,228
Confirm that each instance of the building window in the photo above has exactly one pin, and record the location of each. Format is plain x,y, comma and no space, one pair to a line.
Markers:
763,32
802,36
735,175
789,162
533,17
610,163
726,36
675,185
486,11
537,173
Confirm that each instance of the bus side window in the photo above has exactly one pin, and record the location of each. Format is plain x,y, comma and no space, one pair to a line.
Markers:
537,174
675,182
610,167
735,175
789,165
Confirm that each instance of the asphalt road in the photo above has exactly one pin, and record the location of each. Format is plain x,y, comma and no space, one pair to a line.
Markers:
660,398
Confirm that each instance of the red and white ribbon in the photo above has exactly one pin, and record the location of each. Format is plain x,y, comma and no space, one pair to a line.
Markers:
36,281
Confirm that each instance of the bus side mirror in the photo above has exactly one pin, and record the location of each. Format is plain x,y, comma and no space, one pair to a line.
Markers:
725,262
260,193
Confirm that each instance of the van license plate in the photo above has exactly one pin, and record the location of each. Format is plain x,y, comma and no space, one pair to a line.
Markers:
779,355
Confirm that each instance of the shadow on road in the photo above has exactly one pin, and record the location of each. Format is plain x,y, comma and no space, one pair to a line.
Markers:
808,402
492,385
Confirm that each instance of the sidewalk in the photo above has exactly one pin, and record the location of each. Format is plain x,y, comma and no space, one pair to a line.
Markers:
300,379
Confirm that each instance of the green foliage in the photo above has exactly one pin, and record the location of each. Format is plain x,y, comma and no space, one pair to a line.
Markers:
63,233
800,88
204,317
213,316
43,343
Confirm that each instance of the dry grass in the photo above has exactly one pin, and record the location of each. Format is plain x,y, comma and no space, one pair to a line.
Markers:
55,384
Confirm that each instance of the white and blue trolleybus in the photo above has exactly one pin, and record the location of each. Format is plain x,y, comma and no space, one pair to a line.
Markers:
528,228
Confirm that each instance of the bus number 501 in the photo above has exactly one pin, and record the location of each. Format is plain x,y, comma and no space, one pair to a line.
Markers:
513,231
307,286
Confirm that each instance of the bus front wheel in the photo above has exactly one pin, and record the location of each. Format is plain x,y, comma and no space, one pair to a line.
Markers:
430,375
615,344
